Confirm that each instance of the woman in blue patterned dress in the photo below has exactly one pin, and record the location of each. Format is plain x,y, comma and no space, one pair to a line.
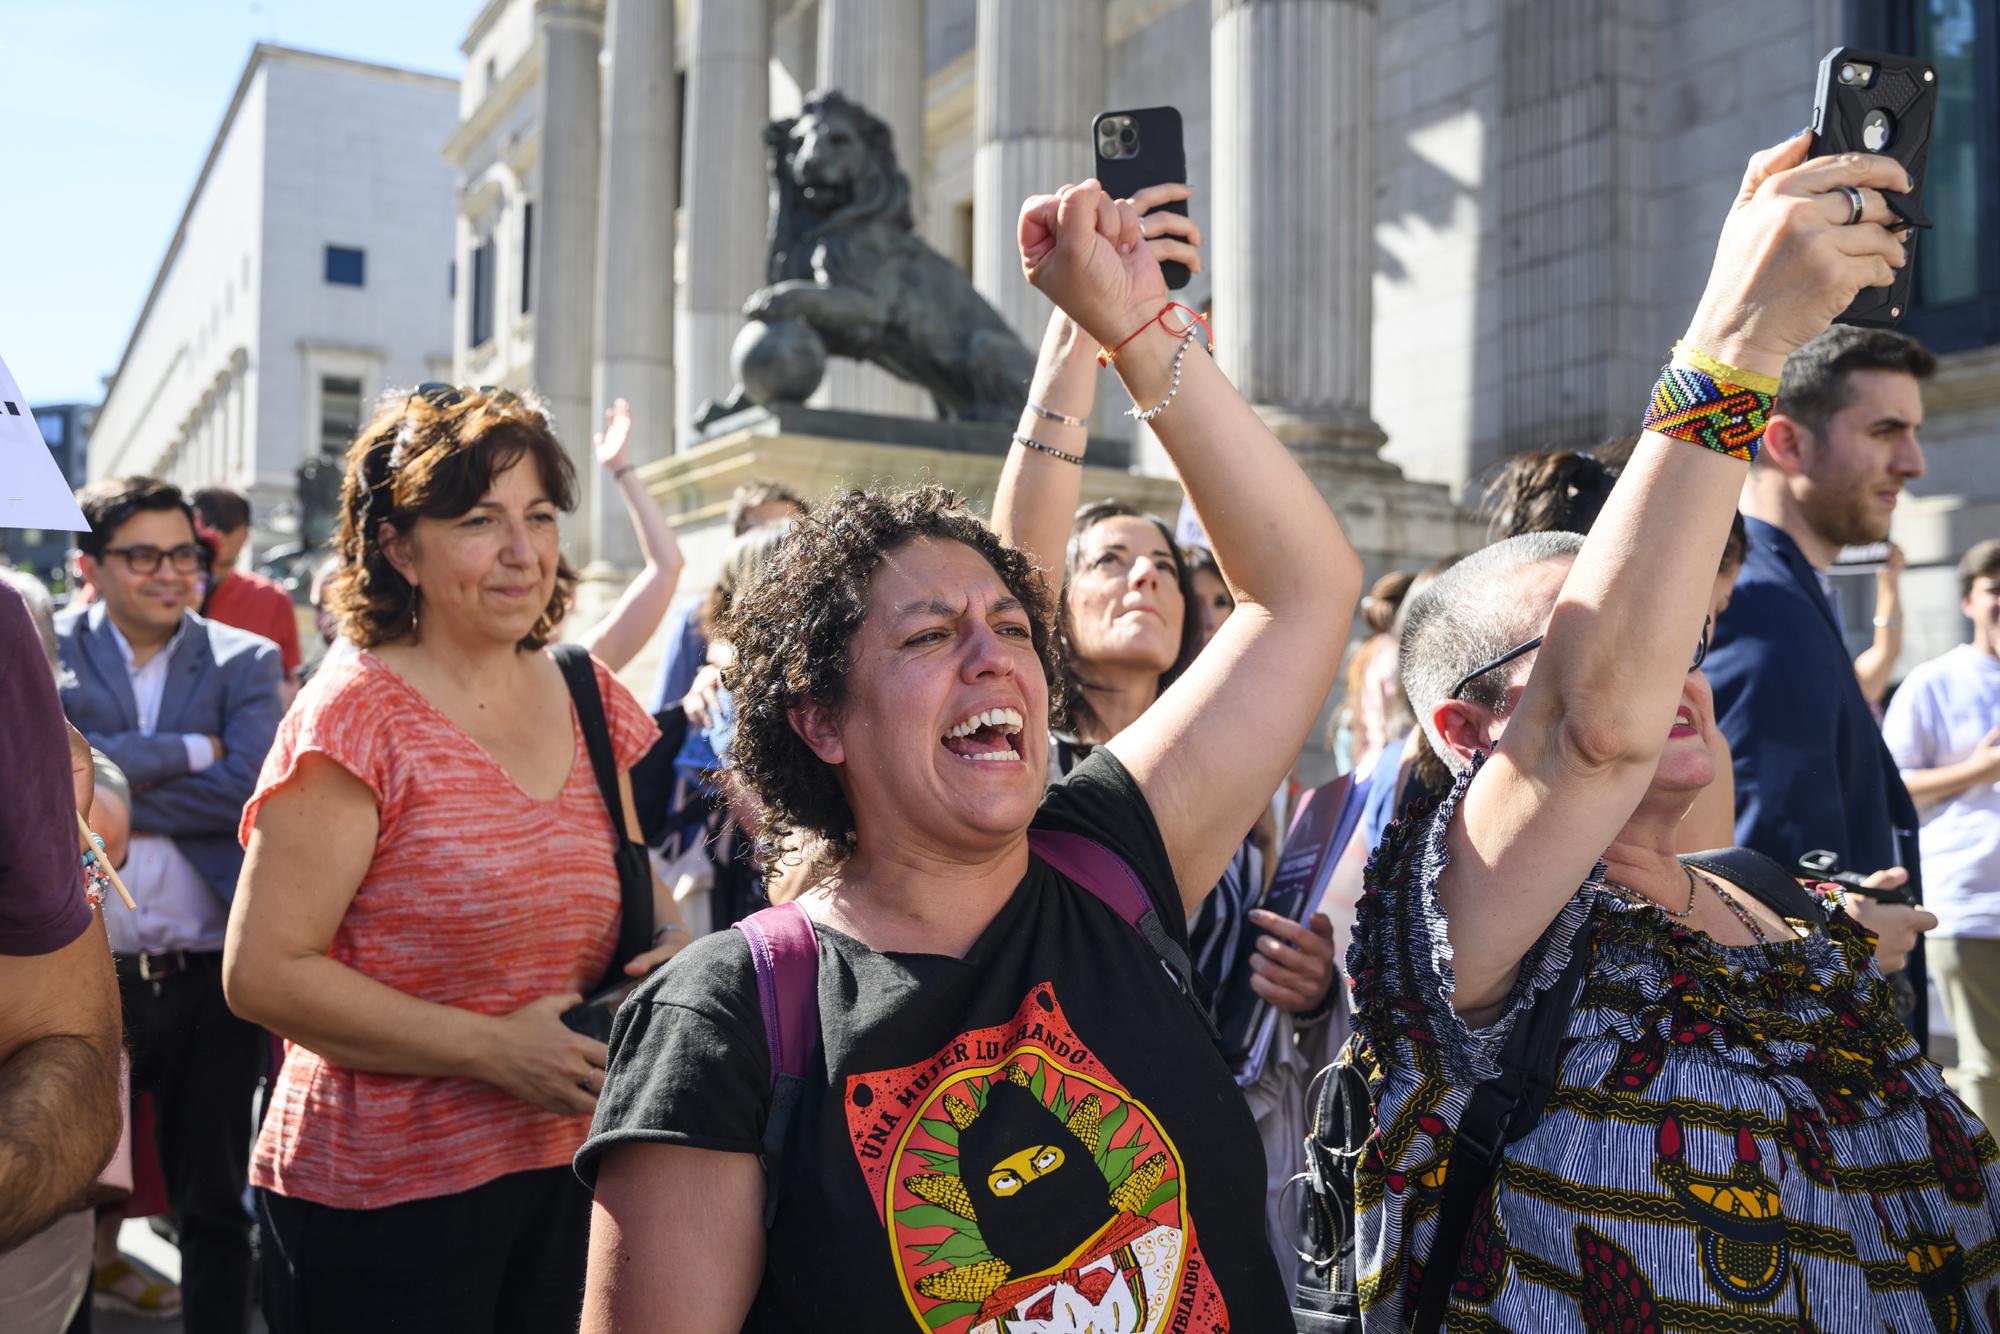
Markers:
1742,1136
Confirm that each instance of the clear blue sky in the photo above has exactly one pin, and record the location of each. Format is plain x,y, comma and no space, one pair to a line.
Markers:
107,108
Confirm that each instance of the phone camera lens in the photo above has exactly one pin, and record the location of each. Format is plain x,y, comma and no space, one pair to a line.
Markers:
1848,74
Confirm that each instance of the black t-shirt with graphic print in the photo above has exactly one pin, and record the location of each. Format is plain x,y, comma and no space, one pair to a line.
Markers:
1041,1132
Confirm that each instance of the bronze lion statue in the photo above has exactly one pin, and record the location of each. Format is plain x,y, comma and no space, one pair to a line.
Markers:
845,262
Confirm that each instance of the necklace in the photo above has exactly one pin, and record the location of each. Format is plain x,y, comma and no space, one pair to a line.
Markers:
1742,913
1631,895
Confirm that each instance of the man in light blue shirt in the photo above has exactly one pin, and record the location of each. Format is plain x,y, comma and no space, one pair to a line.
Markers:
186,708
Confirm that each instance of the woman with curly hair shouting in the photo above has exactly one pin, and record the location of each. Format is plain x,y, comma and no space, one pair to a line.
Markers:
1012,1112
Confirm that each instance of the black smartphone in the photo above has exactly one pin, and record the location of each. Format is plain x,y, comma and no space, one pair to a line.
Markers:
1872,102
592,1016
1139,148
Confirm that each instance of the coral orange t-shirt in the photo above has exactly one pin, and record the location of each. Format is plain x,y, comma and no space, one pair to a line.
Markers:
479,896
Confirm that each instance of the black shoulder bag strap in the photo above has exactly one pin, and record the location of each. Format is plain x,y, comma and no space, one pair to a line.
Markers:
635,874
1774,886
1501,1111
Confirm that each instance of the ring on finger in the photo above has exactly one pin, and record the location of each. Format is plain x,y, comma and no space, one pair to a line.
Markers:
1855,203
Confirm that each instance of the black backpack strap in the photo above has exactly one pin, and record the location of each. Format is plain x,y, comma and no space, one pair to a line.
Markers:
1501,1111
1774,886
635,874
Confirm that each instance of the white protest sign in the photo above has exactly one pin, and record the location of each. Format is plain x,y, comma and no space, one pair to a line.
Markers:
33,491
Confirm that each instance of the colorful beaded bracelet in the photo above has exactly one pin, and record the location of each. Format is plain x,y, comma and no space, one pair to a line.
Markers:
1718,412
96,872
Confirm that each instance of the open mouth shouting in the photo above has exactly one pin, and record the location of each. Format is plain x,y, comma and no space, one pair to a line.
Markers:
991,736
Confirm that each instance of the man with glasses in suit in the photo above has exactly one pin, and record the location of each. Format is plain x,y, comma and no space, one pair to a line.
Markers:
186,708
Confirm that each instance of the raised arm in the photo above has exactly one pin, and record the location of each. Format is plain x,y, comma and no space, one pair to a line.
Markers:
617,639
309,851
1039,492
1209,753
1582,745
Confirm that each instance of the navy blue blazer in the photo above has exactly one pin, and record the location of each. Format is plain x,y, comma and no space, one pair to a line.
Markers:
1812,770
222,682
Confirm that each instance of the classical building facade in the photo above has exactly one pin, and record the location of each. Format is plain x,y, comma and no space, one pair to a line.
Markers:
1439,231
310,270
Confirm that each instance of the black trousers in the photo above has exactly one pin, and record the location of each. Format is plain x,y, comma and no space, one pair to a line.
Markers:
507,1256
201,1064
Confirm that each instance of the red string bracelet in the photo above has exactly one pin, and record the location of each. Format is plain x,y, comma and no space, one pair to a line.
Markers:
1194,317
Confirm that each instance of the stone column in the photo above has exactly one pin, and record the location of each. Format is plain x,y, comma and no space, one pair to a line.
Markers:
1040,81
728,101
571,32
639,187
1291,241
873,51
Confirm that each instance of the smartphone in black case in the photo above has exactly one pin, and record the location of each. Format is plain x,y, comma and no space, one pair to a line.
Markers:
1139,148
1871,102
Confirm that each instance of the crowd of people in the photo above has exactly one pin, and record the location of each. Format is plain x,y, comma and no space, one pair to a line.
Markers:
878,967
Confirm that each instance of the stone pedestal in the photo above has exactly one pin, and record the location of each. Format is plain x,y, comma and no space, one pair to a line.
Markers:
873,51
570,33
1041,78
640,186
819,452
728,101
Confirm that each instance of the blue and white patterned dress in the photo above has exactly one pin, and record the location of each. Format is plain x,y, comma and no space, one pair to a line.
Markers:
1742,1137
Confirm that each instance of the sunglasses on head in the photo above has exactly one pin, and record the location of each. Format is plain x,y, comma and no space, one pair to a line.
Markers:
1522,650
441,395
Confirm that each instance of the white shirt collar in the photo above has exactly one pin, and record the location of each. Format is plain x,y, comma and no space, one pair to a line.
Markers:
125,647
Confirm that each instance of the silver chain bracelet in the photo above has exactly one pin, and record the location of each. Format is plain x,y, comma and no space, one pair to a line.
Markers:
1173,387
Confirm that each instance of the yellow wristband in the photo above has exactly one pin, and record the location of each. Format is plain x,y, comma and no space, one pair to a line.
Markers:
1695,359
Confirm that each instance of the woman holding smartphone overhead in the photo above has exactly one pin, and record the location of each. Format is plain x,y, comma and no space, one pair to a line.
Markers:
1740,1133
1011,1114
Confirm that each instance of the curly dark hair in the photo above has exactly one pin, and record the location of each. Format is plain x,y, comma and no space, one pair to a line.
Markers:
1079,714
434,456
792,626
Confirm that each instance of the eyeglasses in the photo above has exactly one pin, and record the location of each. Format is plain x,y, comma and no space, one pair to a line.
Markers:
1522,650
186,557
441,395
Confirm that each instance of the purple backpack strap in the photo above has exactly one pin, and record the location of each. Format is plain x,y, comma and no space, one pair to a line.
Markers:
1096,868
1112,881
784,951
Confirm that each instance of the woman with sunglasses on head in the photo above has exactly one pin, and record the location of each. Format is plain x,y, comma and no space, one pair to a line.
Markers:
430,885
1739,1130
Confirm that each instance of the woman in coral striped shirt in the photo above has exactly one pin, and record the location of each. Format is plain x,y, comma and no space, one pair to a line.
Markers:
430,883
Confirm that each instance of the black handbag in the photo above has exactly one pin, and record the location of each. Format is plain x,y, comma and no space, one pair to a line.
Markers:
592,1017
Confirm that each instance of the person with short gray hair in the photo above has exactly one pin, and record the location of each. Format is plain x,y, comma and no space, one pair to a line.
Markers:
1463,619
1693,1007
